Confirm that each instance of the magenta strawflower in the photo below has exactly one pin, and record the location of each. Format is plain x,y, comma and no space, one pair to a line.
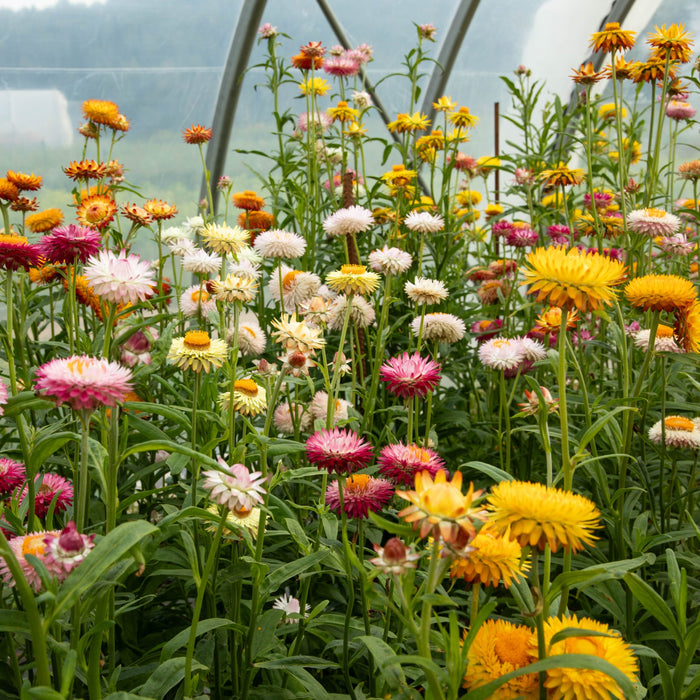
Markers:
66,244
12,474
362,494
410,375
120,279
32,543
234,486
52,487
339,450
521,237
341,66
16,252
3,396
401,462
84,382
63,553
559,234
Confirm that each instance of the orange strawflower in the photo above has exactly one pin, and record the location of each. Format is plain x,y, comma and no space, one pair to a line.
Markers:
96,211
248,200
25,204
159,209
197,134
587,75
303,62
85,170
44,220
673,43
137,214
100,111
8,190
256,220
612,38
652,69
23,181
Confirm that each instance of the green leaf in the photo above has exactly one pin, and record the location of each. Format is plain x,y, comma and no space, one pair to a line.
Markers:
654,604
45,693
166,677
45,447
314,688
599,425
387,661
283,662
108,551
294,568
204,626
170,446
265,636
494,472
14,621
127,696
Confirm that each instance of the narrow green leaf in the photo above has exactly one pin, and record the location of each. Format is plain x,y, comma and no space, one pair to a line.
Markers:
204,626
294,568
654,604
265,632
387,661
284,662
494,472
166,677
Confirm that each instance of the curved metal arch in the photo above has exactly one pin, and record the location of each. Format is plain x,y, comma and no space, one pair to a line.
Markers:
239,52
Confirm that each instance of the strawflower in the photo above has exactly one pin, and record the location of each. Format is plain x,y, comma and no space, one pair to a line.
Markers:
291,607
197,351
362,313
440,327
294,334
197,134
663,341
120,279
242,288
338,450
534,404
33,543
660,292
426,291
249,398
353,219
408,376
277,243
361,494
12,475
353,279
390,260
234,486
653,222
677,431
394,557
63,553
401,463
16,252
225,240
66,244
52,487
612,38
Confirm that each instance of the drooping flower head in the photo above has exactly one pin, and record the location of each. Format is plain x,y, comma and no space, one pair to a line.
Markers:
66,244
605,643
83,382
661,292
401,462
361,494
407,375
535,515
440,508
672,43
12,475
294,334
338,450
120,279
63,553
234,486
612,38
394,557
197,351
571,278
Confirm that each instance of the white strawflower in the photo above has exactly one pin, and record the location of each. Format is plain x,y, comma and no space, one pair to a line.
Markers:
198,260
501,353
663,342
390,261
248,255
533,350
361,99
678,432
318,407
120,279
196,300
245,268
354,219
424,222
251,338
297,287
361,312
445,328
171,234
192,225
181,246
277,243
426,291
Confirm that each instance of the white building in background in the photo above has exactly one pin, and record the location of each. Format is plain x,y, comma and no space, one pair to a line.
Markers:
35,117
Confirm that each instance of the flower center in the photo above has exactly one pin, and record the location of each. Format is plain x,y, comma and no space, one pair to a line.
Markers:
418,454
200,295
288,279
679,423
513,648
664,331
197,340
13,240
353,269
34,544
357,483
249,330
584,645
44,488
655,213
246,386
76,365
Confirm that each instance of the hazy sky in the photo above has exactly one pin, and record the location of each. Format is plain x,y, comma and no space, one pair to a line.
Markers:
41,4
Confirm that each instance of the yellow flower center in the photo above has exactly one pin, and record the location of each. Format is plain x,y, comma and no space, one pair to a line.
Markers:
246,386
288,279
250,330
443,499
14,240
357,482
353,269
655,213
513,648
679,423
33,544
76,365
664,331
197,340
418,454
584,645
200,295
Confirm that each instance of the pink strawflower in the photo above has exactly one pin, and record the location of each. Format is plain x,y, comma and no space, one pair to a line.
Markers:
401,462
602,199
137,349
267,31
679,110
559,234
501,228
427,31
339,450
52,486
84,382
362,493
120,279
3,396
66,244
341,66
12,474
653,222
394,557
321,120
283,419
523,176
677,244
410,375
465,162
65,552
318,408
196,301
234,486
291,607
486,329
522,237
32,543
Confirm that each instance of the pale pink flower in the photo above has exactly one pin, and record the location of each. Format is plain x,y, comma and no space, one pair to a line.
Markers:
679,110
283,421
234,486
424,222
394,557
318,408
501,353
199,261
32,543
677,244
65,552
653,222
321,120
524,176
291,608
267,31
341,66
3,396
122,279
354,219
84,382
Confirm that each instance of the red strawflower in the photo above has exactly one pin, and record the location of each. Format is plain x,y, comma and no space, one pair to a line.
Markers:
16,252
362,493
52,486
12,474
410,375
66,244
402,462
338,450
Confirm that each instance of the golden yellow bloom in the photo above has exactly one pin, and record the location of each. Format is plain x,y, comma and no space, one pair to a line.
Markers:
100,111
607,111
562,176
45,274
585,684
498,648
8,190
673,43
486,164
623,69
634,153
159,209
462,118
225,239
661,292
405,122
445,104
491,210
44,220
353,279
314,86
549,321
652,69
249,398
612,38
572,277
197,351
587,75
355,130
24,181
440,507
687,328
96,211
398,176
237,520
460,134
342,113
495,558
535,515
468,198
612,225
294,334
434,140
555,200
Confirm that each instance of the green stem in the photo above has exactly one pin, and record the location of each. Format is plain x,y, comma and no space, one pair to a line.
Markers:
563,412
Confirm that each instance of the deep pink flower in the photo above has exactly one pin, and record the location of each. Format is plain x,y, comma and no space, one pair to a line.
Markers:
602,199
339,450
559,234
52,486
410,375
521,237
16,252
501,228
3,396
65,552
12,474
401,462
84,382
137,349
32,543
486,329
66,244
362,493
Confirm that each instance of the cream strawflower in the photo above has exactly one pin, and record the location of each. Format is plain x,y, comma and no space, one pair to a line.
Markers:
501,353
181,246
233,288
224,239
297,287
249,398
201,262
293,334
678,431
251,337
390,260
277,243
120,279
318,408
352,279
445,328
353,219
426,291
424,222
197,351
361,312
195,301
